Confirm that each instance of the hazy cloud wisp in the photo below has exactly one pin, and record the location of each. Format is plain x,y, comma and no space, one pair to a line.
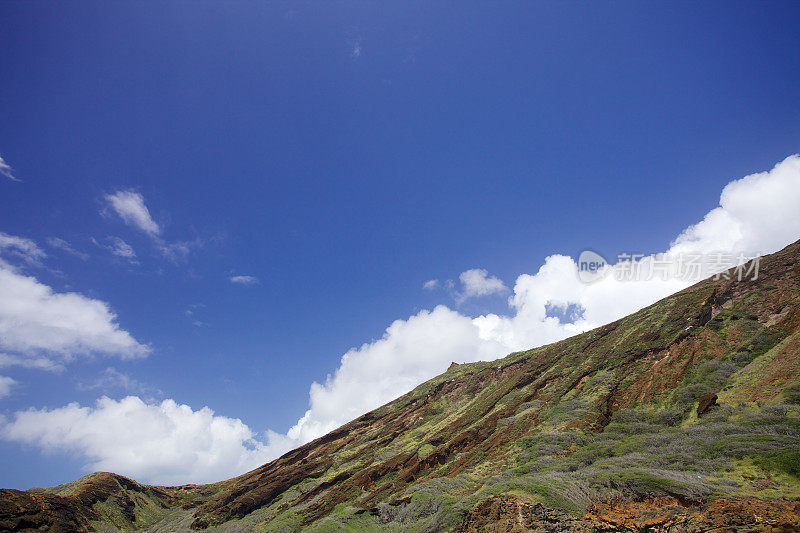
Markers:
64,246
7,171
130,207
244,280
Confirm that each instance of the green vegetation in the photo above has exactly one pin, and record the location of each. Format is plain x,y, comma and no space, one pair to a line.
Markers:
557,455
611,413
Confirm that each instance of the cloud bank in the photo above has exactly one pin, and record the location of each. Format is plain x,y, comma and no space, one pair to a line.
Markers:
172,443
41,328
757,214
164,443
35,320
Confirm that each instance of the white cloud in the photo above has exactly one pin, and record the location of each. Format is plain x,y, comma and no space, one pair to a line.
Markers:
168,443
42,329
477,282
355,51
6,170
64,246
163,443
113,379
6,384
244,280
757,214
121,248
409,352
557,284
430,284
175,251
129,205
21,248
191,312
40,363
37,322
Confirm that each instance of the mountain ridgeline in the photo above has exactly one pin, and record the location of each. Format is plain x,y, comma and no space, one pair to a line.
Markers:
684,416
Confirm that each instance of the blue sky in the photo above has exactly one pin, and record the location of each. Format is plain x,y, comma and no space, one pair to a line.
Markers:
342,155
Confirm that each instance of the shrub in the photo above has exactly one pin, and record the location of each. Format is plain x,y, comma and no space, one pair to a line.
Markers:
786,461
791,394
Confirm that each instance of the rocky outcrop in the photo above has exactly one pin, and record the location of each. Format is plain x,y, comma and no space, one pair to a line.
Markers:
706,402
511,514
668,515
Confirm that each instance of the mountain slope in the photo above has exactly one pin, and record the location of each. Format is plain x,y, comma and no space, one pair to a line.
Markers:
685,412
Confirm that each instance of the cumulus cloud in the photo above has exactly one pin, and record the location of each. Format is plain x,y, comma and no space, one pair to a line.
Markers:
244,280
6,384
129,206
5,170
409,352
64,246
757,214
43,329
37,322
164,443
172,444
477,282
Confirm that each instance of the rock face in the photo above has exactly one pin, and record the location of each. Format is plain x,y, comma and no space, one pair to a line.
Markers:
706,402
23,511
668,515
592,433
511,514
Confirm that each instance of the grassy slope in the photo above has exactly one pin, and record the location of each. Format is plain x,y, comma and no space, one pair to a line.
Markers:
609,413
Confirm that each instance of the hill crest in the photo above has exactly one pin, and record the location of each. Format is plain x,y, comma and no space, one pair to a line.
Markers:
600,428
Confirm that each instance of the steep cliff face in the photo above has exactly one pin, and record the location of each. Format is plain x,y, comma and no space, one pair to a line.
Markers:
683,415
